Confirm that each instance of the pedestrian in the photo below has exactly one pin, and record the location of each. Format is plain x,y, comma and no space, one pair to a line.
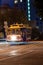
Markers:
3,31
24,36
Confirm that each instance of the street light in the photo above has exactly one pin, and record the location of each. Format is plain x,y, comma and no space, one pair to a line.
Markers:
15,1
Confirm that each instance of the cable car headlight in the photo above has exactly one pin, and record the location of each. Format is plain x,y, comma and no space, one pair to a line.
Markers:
13,38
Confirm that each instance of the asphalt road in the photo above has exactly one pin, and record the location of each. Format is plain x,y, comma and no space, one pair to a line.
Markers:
30,54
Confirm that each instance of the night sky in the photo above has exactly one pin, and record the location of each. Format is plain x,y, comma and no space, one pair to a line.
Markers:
10,2
4,1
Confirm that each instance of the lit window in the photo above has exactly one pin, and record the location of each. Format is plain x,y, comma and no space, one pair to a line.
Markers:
28,0
28,12
29,15
15,1
28,8
28,4
29,19
40,18
20,0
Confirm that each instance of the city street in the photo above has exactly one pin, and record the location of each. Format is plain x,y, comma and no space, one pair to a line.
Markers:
21,32
28,54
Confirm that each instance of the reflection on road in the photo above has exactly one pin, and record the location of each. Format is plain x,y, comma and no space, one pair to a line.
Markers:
7,51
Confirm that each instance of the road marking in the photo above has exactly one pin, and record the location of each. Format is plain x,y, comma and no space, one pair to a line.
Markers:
14,55
1,49
14,52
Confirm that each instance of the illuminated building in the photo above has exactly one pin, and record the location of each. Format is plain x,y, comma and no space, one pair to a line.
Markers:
28,6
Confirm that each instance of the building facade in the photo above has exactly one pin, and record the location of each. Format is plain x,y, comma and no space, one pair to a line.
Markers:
28,6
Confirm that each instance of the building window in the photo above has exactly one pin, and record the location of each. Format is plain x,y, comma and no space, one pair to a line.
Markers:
15,1
20,0
29,17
